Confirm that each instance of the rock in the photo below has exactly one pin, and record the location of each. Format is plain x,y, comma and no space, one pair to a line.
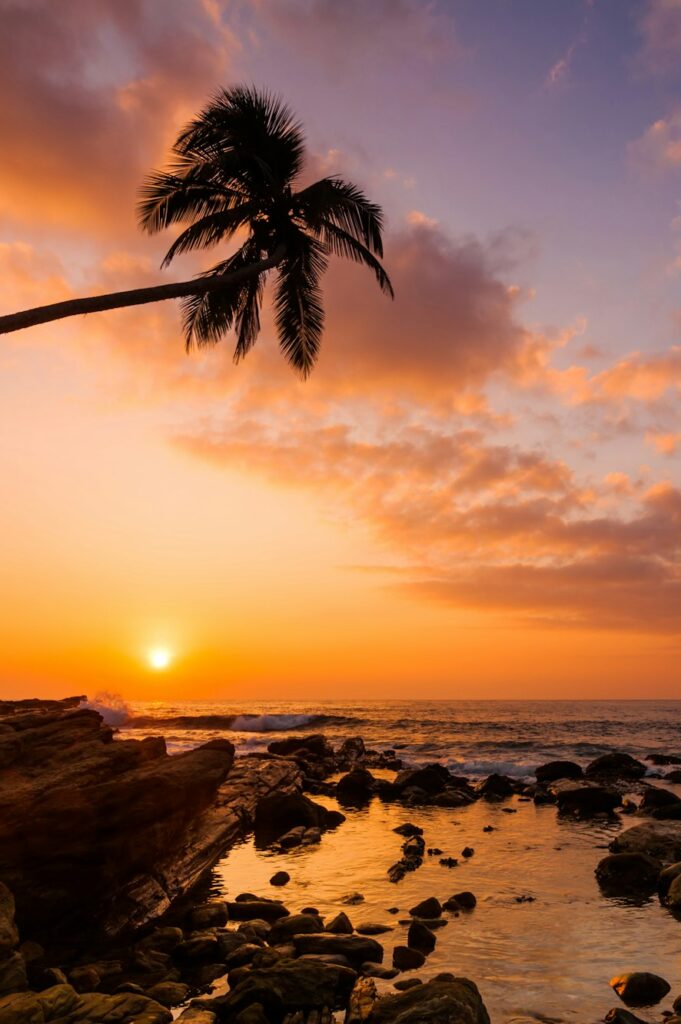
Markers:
352,749
280,878
85,978
242,955
253,1014
370,970
248,910
673,776
584,798
460,901
658,839
654,798
362,999
199,947
496,787
467,851
640,988
420,937
408,830
340,925
209,915
278,814
13,974
297,924
673,897
373,928
449,862
315,745
407,959
294,837
443,1000
668,812
352,899
169,993
676,1005
195,1015
430,907
356,787
9,935
430,779
555,770
619,1016
627,874
404,984
285,987
616,766
666,877
55,1003
356,948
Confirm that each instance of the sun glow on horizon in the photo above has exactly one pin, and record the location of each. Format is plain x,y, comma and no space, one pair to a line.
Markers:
159,658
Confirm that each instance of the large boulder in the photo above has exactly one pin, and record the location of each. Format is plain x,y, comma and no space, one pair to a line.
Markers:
357,949
655,798
628,874
285,987
432,779
496,787
61,1004
444,1000
584,798
640,988
616,766
314,746
357,787
554,770
658,839
277,814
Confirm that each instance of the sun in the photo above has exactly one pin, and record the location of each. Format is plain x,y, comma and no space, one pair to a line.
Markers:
159,658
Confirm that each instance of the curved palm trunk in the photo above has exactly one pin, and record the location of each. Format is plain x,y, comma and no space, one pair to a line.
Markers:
134,297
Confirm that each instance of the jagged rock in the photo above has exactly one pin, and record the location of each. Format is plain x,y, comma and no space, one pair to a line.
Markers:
297,924
625,874
340,925
584,798
407,959
654,798
287,986
356,948
430,907
356,787
640,988
362,999
555,770
420,937
658,839
616,766
280,878
444,1000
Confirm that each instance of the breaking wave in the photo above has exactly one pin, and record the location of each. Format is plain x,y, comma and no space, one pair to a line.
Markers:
229,723
111,707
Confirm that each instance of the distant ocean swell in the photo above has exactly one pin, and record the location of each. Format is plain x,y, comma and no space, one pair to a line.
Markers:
232,723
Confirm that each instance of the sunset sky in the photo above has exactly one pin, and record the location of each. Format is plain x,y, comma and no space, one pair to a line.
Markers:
477,493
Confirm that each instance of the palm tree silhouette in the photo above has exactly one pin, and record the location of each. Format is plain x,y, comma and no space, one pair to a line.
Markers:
233,173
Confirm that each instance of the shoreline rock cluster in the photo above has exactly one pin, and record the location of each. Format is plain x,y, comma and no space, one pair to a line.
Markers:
106,841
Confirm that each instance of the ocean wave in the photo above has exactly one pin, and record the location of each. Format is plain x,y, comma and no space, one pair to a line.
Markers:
231,723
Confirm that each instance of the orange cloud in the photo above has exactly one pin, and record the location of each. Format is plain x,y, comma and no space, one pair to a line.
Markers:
659,148
665,444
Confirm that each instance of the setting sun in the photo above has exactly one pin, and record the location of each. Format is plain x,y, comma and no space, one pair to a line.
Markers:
159,658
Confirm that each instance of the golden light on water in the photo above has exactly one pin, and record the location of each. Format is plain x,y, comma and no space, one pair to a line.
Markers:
159,658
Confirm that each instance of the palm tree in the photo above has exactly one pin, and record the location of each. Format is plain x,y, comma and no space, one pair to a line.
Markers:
234,171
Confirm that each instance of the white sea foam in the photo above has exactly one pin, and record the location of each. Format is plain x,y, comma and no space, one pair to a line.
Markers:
270,723
110,706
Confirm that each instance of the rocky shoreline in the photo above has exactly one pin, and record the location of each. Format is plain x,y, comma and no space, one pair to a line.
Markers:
106,843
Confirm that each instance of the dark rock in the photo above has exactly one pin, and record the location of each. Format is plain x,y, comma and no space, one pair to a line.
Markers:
444,1000
340,925
656,838
619,1016
356,948
430,907
670,812
278,814
9,934
404,984
408,830
460,901
616,766
249,910
209,915
351,750
555,770
370,970
449,862
315,745
280,878
666,877
467,851
655,797
356,787
407,959
352,899
673,897
285,987
627,874
496,787
200,947
169,993
640,988
373,928
297,924
584,798
674,776
420,937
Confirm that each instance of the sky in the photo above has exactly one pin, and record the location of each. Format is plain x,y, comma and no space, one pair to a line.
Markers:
477,493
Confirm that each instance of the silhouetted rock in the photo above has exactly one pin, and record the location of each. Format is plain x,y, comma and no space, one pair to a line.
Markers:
420,937
554,770
656,838
407,959
430,907
495,787
280,878
278,814
654,798
356,787
285,987
616,766
628,874
584,798
444,1000
640,988
355,948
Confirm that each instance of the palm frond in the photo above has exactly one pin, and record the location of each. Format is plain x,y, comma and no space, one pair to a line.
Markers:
247,322
298,307
208,316
211,229
340,243
345,205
